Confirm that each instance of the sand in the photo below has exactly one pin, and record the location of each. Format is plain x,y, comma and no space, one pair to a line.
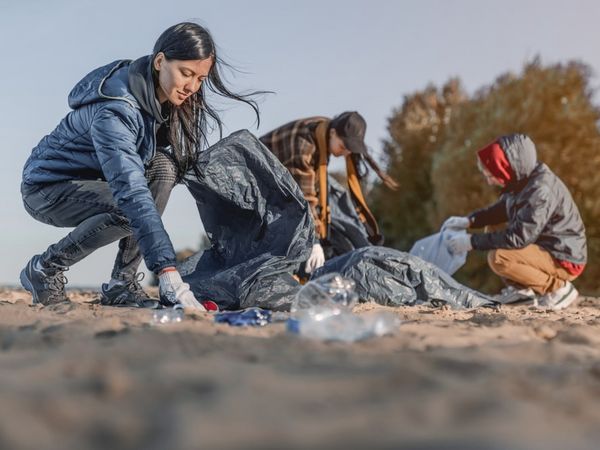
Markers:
80,375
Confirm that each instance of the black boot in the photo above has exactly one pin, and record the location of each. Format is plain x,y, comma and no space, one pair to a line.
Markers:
129,293
46,282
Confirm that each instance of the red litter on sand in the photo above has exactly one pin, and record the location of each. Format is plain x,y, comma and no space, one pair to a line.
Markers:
209,305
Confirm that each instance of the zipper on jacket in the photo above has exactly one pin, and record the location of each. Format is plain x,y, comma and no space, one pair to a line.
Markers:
153,142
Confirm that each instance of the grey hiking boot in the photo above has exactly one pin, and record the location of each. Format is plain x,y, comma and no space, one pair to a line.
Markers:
129,293
46,284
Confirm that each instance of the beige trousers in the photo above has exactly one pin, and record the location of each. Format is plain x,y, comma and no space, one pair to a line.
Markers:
531,267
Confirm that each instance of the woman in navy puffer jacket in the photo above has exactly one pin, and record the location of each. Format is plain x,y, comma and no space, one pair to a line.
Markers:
108,168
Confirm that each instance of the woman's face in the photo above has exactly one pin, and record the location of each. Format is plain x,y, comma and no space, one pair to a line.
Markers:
336,145
178,79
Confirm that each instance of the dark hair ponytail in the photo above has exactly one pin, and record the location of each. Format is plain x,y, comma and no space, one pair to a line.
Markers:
188,122
360,162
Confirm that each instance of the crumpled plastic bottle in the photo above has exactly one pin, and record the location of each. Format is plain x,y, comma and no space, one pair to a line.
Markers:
168,315
331,291
249,316
322,310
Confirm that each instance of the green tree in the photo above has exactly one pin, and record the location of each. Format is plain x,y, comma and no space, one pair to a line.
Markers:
415,131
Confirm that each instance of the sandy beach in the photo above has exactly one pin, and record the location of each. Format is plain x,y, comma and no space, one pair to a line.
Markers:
81,375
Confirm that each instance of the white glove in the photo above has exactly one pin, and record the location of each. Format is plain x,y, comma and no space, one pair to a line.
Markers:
459,243
456,223
316,259
172,289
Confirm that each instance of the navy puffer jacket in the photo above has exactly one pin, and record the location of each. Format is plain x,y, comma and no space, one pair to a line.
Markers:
110,134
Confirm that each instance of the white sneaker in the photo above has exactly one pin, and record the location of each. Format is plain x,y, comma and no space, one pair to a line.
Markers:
561,298
511,294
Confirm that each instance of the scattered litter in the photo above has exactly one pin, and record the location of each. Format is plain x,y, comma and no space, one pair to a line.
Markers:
257,317
280,316
168,315
322,310
209,305
331,291
345,326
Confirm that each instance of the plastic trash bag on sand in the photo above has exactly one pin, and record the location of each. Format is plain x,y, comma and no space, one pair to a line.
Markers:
258,222
392,278
434,250
261,230
346,231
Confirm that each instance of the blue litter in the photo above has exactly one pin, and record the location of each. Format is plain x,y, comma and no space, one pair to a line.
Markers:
257,317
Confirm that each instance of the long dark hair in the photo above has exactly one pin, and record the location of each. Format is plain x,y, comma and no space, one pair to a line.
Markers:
188,123
359,161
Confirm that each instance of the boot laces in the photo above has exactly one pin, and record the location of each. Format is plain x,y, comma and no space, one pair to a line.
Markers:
56,285
133,285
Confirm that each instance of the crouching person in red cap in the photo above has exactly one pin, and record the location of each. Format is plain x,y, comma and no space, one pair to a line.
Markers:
543,247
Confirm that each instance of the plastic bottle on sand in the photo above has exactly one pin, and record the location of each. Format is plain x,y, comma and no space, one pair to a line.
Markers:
322,310
168,315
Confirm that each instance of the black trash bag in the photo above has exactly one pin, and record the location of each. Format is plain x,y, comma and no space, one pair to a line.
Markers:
258,222
261,230
346,231
393,278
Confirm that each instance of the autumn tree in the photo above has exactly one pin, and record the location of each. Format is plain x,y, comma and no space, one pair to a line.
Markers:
553,105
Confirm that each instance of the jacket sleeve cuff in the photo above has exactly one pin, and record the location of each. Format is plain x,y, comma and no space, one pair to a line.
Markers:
475,221
157,268
478,241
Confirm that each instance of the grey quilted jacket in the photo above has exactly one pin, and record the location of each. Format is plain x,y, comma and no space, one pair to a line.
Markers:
537,207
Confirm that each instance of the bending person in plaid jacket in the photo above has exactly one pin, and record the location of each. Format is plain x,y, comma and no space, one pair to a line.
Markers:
305,146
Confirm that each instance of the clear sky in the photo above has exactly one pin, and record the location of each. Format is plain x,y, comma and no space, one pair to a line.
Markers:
319,57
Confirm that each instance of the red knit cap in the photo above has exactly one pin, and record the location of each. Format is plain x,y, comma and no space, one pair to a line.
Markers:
494,159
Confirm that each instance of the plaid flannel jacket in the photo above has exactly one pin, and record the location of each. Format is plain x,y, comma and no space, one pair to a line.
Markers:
294,144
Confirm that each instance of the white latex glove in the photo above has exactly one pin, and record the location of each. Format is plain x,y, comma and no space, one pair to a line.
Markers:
316,259
456,223
459,243
172,288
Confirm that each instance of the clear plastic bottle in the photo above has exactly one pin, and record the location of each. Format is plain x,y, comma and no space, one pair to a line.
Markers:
329,291
168,315
323,310
345,326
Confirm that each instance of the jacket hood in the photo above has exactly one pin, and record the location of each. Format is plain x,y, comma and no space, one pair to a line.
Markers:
511,158
493,158
521,154
126,80
141,84
106,82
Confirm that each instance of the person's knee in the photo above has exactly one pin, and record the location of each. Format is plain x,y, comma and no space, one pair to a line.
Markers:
499,260
117,219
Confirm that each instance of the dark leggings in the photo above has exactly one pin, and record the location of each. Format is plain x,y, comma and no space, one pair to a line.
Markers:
88,205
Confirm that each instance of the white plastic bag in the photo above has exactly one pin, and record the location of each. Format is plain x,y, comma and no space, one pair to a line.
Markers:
434,250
